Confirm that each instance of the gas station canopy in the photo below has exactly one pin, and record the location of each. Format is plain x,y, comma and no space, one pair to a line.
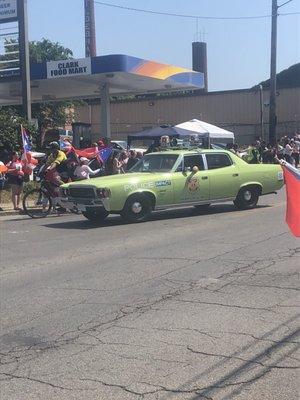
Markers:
91,77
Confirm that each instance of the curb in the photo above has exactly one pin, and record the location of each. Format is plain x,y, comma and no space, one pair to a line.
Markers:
10,212
14,212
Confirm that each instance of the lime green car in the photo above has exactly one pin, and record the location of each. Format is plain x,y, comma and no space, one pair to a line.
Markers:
174,178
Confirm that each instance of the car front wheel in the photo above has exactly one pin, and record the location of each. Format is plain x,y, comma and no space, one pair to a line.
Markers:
247,198
95,216
137,208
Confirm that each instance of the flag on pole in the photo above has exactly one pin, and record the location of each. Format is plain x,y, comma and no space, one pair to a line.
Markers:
65,145
25,140
292,184
29,162
105,153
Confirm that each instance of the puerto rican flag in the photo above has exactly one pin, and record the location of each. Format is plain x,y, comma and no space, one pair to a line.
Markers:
65,145
25,140
28,162
292,184
104,154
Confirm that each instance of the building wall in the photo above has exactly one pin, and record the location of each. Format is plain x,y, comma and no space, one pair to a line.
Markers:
238,110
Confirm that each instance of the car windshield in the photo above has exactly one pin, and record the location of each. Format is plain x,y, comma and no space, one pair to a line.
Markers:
155,163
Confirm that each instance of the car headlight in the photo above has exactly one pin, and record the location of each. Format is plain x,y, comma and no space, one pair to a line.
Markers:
103,193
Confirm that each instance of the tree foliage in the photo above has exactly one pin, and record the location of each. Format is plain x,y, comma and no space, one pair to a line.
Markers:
289,77
50,115
45,50
10,128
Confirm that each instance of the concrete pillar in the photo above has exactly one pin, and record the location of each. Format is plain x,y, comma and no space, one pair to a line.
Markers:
105,111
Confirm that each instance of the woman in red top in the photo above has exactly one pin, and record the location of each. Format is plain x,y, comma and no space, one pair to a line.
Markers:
15,176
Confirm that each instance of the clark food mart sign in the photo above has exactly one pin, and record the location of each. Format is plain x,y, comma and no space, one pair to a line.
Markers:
60,69
8,9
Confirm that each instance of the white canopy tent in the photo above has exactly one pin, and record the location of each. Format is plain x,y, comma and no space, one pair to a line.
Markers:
204,129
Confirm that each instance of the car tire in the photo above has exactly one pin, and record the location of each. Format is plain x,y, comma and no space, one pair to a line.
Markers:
247,198
137,208
95,216
202,207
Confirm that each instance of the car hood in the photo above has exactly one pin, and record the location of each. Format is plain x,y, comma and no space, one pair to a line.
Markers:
120,179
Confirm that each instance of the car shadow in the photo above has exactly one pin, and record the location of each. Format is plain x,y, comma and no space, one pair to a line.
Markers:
176,213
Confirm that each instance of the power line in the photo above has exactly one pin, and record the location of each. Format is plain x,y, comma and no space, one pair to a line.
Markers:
283,4
169,14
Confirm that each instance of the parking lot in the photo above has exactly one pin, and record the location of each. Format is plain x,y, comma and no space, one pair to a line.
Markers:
184,306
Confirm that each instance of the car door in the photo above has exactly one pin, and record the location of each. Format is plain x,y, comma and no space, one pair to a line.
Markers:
190,186
223,175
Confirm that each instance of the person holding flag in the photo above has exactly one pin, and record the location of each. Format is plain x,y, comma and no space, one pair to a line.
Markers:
292,184
28,161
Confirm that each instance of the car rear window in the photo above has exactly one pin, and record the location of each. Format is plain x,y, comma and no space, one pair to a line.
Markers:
218,160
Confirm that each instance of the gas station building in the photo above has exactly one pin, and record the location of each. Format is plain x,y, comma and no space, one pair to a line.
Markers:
100,78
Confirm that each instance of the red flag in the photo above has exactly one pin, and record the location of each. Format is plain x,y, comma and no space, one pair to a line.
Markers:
90,152
292,184
28,162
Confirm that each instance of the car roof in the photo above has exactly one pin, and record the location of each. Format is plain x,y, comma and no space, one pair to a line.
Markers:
191,151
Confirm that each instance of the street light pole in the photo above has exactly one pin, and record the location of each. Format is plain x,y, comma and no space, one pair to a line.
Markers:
272,110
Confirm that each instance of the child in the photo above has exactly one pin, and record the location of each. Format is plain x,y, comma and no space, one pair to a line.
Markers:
83,171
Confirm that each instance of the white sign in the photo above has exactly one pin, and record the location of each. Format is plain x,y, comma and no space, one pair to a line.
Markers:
65,68
8,9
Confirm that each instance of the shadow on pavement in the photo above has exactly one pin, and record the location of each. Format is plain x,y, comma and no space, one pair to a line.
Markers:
178,213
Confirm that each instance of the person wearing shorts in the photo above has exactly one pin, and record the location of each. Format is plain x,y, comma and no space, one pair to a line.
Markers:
2,182
15,179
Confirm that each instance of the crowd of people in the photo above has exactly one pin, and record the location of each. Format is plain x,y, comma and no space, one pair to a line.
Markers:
68,165
286,148
61,166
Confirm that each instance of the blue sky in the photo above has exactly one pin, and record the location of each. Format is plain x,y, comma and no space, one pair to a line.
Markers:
238,51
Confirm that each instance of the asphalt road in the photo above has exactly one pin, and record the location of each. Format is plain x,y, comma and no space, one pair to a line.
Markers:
185,306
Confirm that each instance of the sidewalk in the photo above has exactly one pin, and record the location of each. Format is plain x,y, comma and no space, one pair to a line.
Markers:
8,210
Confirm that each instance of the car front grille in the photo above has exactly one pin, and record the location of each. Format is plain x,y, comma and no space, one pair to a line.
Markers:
82,193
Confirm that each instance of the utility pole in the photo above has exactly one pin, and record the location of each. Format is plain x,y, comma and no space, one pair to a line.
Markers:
90,30
272,110
24,58
261,109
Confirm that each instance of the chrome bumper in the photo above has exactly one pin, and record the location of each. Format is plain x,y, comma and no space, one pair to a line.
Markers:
83,204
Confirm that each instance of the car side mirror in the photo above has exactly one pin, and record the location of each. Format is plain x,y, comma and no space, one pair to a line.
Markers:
195,169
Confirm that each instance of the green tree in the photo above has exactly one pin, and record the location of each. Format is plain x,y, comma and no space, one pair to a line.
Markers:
10,128
45,50
50,115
